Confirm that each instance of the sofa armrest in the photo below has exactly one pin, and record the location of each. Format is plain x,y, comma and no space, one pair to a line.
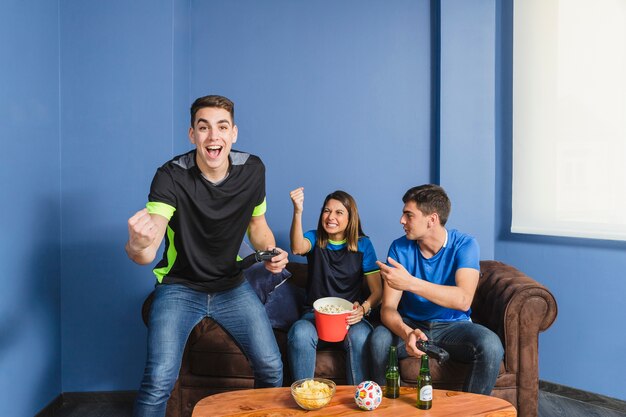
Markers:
516,308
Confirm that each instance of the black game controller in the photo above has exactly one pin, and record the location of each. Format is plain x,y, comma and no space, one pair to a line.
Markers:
433,351
265,255
258,256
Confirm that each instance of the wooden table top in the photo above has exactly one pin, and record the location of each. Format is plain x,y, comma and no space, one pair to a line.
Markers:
278,402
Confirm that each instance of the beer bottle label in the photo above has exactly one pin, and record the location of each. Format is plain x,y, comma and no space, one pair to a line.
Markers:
426,393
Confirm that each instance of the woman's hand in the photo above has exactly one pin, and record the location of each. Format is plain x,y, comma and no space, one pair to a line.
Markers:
356,315
297,198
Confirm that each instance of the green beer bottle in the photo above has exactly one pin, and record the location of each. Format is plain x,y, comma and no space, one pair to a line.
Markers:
392,374
424,386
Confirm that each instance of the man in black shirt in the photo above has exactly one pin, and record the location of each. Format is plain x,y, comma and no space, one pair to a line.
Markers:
203,203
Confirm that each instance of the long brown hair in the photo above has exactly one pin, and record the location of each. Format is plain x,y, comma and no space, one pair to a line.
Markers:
353,230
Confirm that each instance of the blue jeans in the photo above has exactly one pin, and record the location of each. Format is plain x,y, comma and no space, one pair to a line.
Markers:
465,341
303,343
175,311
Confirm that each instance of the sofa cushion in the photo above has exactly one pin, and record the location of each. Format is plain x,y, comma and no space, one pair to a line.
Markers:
452,373
283,301
263,281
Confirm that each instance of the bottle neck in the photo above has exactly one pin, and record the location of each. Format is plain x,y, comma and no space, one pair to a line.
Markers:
393,357
424,367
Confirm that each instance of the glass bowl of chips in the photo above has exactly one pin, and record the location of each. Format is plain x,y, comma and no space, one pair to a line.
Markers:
313,393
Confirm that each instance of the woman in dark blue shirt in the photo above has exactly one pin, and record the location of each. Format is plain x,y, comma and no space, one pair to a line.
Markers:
339,258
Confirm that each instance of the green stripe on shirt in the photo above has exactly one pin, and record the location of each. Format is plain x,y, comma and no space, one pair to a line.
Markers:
162,209
260,209
171,257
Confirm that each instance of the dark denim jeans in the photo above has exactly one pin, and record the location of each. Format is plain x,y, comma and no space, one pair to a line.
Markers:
303,343
465,341
175,311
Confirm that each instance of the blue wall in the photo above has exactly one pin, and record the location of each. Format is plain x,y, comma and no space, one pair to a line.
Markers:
332,95
368,96
30,348
305,83
466,117
116,127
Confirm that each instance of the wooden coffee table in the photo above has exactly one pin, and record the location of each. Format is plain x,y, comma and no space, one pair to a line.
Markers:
278,402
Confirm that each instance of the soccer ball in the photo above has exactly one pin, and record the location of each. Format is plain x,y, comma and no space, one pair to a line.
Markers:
368,395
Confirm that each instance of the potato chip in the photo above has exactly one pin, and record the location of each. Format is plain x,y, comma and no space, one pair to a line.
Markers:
312,394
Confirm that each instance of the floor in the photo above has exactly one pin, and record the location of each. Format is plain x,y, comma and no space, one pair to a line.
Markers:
554,405
550,405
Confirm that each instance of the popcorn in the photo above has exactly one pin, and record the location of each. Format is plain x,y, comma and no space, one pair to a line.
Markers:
368,395
331,309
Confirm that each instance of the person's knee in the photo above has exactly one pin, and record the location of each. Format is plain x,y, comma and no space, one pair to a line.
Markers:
491,348
359,334
302,333
274,365
379,342
269,373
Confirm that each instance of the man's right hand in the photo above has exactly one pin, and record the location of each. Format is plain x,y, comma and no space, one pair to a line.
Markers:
145,234
411,341
142,231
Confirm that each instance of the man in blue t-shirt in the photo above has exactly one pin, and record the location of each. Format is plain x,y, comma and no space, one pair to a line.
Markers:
430,280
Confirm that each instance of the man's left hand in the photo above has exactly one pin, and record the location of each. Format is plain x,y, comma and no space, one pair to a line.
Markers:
278,262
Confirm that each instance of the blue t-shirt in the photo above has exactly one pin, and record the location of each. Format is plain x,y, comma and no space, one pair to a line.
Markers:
460,251
334,271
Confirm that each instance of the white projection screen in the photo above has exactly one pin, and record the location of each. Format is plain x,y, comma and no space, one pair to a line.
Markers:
569,118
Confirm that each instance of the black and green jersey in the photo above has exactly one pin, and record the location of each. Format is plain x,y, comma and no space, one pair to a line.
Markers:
207,222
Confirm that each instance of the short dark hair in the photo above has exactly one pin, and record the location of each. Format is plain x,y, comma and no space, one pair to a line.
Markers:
212,101
429,199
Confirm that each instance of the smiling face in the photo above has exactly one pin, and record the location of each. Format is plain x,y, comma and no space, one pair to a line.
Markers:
335,220
213,133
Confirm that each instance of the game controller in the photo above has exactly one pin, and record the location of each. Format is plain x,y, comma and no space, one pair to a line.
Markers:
433,351
265,255
258,256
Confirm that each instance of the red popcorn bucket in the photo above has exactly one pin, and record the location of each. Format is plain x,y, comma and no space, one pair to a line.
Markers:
331,314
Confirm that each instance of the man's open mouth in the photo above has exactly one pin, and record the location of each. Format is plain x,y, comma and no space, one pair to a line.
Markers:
214,151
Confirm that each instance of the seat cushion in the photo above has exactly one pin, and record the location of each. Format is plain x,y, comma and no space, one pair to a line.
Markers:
212,352
451,372
282,300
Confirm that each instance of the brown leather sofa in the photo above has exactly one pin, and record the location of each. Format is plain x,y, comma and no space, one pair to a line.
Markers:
507,301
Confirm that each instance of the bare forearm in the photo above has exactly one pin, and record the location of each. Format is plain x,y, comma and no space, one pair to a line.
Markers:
457,297
141,257
299,245
393,321
447,296
261,236
374,282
